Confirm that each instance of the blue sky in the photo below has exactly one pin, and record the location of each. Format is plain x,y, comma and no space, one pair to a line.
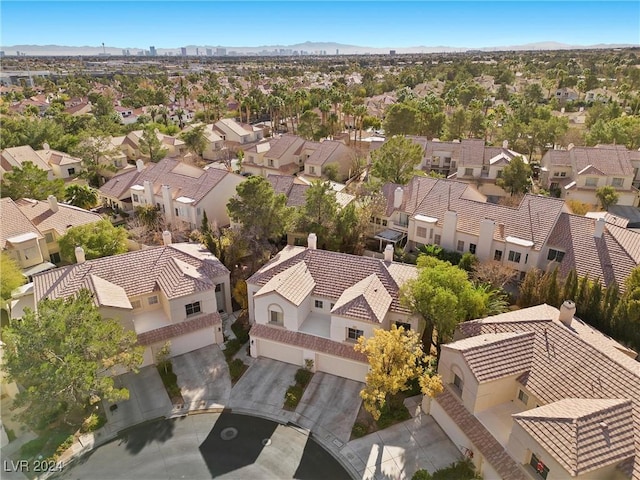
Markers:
472,24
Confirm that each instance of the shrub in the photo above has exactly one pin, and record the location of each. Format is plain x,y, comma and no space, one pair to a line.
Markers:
232,347
303,377
236,369
293,396
422,474
359,430
169,379
241,332
64,446
93,422
461,470
33,447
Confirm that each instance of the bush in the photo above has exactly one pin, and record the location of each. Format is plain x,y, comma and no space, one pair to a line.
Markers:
422,474
240,330
236,369
169,379
33,447
441,254
92,423
64,446
393,412
293,396
232,347
359,430
303,377
461,470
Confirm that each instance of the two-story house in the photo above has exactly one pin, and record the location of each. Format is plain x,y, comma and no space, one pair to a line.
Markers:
62,164
215,149
576,173
172,293
538,394
30,230
457,217
310,304
130,145
279,156
321,155
238,133
182,192
15,157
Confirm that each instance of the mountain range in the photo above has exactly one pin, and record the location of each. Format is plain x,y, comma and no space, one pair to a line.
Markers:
310,47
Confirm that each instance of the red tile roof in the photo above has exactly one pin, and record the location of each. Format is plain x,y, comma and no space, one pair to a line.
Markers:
177,329
309,342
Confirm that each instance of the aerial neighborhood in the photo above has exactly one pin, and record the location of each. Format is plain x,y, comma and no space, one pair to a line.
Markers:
440,251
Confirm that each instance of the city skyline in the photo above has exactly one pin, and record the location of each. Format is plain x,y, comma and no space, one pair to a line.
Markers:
376,24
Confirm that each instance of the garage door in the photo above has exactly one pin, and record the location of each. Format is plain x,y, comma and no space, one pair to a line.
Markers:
278,351
192,341
341,367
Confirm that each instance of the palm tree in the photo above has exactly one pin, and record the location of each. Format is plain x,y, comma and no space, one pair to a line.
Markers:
325,108
360,112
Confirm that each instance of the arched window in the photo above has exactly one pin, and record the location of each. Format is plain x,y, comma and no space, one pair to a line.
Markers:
276,315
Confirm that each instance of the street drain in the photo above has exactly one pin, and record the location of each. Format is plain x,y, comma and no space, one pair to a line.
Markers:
229,433
266,442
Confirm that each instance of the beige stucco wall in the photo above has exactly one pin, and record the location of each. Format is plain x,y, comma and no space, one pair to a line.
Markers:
38,255
493,393
215,202
207,301
339,326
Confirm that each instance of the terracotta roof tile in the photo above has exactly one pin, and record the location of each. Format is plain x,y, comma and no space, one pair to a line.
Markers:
310,342
489,447
14,222
40,214
365,300
295,283
177,329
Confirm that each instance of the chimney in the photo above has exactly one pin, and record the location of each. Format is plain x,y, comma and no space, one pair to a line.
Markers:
139,165
45,146
166,237
505,144
388,253
599,227
312,241
570,146
397,197
567,311
53,203
80,258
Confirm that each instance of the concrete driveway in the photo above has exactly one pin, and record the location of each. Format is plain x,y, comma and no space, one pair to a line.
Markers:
148,399
203,377
398,451
329,407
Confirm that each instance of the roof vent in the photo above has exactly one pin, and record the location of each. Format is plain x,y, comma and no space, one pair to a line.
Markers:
599,227
388,253
397,197
312,241
166,237
567,311
80,257
53,203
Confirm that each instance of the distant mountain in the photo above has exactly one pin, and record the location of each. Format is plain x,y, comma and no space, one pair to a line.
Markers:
310,47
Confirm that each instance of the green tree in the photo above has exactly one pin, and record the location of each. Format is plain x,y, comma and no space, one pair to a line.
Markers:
97,154
401,119
64,357
443,296
195,140
395,161
318,215
81,196
10,278
608,196
395,358
99,239
515,176
309,126
262,213
31,182
151,146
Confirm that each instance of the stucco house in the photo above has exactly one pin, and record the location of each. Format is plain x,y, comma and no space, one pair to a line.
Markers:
215,149
172,293
280,156
320,155
469,161
310,304
538,394
182,192
130,145
457,217
238,133
577,172
56,164
30,230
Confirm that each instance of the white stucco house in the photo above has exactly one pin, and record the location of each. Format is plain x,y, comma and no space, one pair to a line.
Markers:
538,394
172,293
310,304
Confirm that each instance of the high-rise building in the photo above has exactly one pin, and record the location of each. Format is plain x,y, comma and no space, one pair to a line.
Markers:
221,52
337,51
183,51
209,52
392,53
152,51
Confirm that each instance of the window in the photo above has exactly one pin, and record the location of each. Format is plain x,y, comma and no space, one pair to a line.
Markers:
468,172
563,174
421,232
331,305
318,303
177,213
457,383
276,318
48,237
499,174
556,174
271,162
312,169
136,304
460,246
497,255
135,198
218,287
55,257
617,182
591,182
192,308
404,219
406,326
472,248
198,212
555,255
354,333
430,233
71,171
523,397
436,240
378,221
372,219
384,223
522,275
540,468
152,300
514,256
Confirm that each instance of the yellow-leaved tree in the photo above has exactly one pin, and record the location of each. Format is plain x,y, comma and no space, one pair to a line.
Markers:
395,358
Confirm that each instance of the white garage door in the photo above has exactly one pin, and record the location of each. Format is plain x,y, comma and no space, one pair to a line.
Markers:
192,341
341,367
278,351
